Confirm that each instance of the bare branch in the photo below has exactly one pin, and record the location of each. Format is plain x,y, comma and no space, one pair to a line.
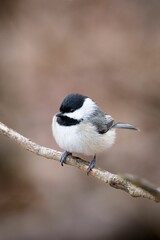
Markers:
133,185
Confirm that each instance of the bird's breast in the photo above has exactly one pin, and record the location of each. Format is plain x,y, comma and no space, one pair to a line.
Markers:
81,138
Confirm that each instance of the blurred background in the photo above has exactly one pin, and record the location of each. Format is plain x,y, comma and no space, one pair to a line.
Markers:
110,51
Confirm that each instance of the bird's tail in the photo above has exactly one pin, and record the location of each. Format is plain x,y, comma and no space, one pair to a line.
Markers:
125,126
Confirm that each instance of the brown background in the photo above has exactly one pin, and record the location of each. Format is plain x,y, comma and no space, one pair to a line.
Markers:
110,51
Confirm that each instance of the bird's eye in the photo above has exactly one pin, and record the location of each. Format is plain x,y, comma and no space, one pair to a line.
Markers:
72,110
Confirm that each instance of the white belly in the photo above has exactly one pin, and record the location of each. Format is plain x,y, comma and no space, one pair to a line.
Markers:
82,138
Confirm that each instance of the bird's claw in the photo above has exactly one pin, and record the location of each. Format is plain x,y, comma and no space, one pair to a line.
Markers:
64,156
91,165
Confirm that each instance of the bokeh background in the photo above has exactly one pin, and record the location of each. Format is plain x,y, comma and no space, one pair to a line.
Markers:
110,51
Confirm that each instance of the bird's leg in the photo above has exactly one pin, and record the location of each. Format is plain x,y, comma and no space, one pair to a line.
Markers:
64,156
91,165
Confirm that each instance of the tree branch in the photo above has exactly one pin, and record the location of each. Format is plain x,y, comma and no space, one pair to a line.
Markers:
131,184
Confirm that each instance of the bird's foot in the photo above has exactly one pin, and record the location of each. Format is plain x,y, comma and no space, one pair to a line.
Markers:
64,156
91,165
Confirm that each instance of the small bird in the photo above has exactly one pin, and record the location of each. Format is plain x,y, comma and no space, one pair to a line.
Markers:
82,127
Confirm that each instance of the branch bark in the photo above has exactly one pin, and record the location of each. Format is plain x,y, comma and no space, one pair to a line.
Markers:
131,184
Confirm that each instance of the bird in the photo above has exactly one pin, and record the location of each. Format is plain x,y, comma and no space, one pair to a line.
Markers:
82,127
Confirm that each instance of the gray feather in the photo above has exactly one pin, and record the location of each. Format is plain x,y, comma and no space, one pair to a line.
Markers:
102,121
125,126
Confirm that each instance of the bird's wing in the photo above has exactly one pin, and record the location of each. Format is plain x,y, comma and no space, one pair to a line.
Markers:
102,122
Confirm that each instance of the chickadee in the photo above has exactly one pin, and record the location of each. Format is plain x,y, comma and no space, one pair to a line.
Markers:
82,127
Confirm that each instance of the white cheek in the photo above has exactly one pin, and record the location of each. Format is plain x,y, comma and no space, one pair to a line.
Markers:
87,109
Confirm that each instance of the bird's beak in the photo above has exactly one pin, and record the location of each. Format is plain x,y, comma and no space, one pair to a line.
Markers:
60,114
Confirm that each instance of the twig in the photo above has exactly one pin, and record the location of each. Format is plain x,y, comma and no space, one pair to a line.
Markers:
133,185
